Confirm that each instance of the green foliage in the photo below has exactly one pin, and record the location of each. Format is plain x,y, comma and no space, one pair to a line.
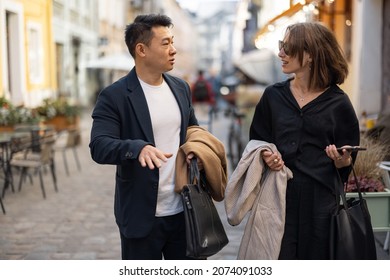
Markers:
58,107
12,115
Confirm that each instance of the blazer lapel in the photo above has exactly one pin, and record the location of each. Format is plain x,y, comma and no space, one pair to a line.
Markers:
140,106
179,93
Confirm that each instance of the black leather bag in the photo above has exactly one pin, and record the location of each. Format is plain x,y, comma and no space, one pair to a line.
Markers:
205,233
351,234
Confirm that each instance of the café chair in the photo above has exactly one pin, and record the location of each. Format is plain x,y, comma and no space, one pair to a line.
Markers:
2,166
2,205
15,143
31,159
68,139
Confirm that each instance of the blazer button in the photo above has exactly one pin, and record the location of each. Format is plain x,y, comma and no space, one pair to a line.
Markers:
128,154
155,186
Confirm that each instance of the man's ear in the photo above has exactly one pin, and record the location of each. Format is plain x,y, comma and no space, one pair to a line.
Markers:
140,49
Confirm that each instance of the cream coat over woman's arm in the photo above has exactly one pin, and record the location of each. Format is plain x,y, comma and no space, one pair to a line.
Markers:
253,187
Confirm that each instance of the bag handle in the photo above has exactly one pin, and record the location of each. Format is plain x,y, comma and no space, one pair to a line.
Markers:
341,190
193,174
197,178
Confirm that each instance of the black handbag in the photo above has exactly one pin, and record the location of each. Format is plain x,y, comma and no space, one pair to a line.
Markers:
205,233
351,233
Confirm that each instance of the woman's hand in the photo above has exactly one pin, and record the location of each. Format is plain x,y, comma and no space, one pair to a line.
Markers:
273,160
340,160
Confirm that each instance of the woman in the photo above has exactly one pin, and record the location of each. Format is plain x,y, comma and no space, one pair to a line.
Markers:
307,117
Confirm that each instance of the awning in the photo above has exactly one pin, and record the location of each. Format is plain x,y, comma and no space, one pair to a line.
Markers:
261,65
288,13
119,61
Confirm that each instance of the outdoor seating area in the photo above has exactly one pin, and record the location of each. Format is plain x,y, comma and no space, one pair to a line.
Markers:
27,152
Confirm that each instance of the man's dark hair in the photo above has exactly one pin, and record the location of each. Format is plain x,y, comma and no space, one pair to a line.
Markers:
140,31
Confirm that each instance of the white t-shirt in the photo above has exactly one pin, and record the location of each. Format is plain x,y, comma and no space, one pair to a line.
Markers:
165,115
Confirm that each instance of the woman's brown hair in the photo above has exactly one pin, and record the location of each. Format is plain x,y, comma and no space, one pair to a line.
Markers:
328,66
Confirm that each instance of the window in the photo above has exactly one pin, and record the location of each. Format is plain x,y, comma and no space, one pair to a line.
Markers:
35,49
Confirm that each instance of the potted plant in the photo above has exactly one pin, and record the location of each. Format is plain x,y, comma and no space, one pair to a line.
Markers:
60,113
11,115
370,177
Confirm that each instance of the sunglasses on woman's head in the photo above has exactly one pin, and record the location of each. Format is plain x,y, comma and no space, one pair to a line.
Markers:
284,46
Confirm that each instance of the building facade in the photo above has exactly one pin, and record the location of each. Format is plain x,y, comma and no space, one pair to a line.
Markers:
362,29
75,25
26,51
52,48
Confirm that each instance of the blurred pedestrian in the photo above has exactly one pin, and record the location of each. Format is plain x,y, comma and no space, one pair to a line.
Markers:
203,98
215,81
139,122
202,91
307,117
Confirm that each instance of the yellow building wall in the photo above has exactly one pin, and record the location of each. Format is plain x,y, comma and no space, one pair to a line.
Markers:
1,72
40,12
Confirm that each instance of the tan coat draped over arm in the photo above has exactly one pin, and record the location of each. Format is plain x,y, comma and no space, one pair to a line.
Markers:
211,152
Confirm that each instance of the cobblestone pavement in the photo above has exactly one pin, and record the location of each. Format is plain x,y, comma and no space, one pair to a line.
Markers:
78,222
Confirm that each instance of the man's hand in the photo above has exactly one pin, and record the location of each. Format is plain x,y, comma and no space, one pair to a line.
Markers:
152,157
190,156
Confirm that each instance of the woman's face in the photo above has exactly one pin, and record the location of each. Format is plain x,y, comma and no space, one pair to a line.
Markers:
292,64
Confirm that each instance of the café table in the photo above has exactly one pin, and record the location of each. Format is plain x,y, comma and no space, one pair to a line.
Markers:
38,131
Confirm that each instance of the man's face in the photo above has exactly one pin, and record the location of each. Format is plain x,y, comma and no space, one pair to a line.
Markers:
160,54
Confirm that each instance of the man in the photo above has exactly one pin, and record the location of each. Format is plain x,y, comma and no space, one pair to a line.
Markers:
139,122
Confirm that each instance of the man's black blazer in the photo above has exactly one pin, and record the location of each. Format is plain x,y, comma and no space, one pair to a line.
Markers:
121,128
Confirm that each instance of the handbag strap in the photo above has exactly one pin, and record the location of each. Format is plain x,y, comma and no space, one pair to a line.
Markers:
357,182
341,190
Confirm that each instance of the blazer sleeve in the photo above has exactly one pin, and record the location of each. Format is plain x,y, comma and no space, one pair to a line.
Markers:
106,145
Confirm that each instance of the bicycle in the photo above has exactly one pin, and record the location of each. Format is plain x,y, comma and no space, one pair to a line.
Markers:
235,137
205,112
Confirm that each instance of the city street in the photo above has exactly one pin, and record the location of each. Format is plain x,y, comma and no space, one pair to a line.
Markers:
77,222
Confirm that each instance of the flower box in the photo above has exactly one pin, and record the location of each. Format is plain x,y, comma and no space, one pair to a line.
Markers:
59,113
6,128
63,123
379,207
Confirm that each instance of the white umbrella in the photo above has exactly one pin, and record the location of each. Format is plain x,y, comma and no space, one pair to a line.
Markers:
119,61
